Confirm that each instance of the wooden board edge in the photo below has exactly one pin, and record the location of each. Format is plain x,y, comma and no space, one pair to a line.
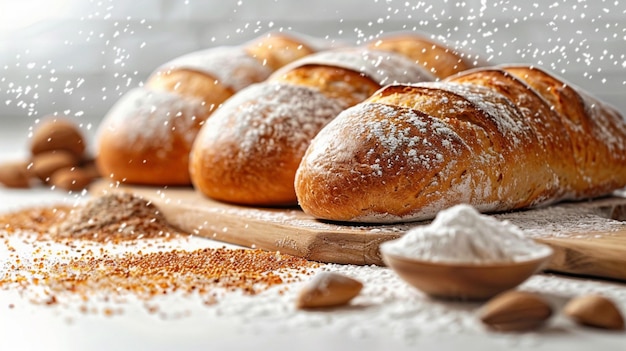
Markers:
347,246
321,246
580,257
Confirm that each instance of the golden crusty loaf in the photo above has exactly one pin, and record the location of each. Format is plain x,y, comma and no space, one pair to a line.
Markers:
215,74
441,60
596,131
278,49
499,139
147,135
249,150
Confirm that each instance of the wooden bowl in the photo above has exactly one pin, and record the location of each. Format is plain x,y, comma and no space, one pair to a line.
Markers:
464,281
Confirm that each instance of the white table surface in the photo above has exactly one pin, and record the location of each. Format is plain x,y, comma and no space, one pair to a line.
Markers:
401,319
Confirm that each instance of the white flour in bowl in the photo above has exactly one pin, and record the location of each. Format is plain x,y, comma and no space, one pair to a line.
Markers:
461,234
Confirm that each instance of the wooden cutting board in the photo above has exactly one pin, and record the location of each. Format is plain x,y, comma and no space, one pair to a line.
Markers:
589,238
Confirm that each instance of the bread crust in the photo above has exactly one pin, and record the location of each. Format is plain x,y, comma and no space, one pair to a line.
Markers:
597,131
179,96
334,82
249,150
147,136
192,84
279,49
435,57
487,138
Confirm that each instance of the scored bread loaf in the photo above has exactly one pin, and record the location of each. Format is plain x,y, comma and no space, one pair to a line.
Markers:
249,150
147,135
499,139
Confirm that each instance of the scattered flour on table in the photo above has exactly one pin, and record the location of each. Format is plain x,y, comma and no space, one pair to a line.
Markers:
565,220
461,234
389,307
386,307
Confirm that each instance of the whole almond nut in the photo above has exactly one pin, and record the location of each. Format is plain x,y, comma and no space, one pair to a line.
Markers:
71,179
57,134
90,167
45,164
15,174
328,289
515,311
595,311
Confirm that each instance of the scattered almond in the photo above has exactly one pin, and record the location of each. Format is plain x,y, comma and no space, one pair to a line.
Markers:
57,134
515,311
328,289
73,179
595,311
58,158
90,168
46,163
15,174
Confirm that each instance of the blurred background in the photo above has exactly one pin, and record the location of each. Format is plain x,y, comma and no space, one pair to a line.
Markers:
76,57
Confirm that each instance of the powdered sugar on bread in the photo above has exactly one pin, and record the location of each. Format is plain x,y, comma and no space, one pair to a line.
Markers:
377,162
381,66
231,66
249,150
145,118
270,116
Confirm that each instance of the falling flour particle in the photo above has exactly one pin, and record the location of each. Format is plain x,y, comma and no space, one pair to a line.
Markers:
461,234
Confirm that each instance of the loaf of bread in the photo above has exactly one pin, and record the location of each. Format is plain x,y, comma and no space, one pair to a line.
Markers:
147,135
500,139
215,74
436,57
249,150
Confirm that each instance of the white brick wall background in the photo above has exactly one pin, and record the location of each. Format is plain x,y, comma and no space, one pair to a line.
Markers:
83,55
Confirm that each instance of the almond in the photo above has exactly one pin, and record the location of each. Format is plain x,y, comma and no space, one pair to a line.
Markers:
328,289
45,164
515,311
15,174
595,311
72,178
57,134
90,167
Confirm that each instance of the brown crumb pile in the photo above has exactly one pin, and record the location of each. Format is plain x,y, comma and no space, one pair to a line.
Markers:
109,218
114,217
82,267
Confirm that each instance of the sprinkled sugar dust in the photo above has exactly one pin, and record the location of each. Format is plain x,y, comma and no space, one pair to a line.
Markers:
36,83
107,281
388,307
580,40
177,277
125,252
